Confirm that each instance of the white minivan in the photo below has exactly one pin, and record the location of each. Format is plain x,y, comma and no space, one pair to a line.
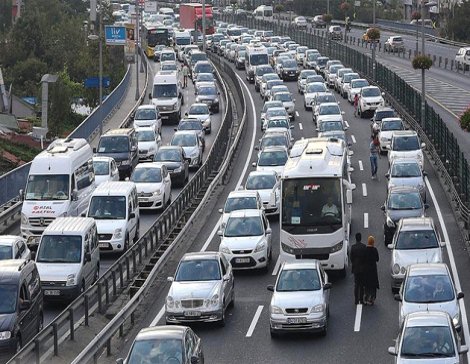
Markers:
115,208
68,258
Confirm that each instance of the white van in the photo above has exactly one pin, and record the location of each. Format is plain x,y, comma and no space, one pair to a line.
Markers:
68,257
264,12
181,40
167,96
60,182
115,208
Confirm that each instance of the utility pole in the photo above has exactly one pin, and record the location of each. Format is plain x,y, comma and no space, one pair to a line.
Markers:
136,37
100,76
423,82
204,25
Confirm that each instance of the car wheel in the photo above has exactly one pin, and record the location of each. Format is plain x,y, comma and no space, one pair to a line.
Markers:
41,322
342,272
274,334
222,319
395,290
137,233
305,106
325,329
126,243
19,343
97,274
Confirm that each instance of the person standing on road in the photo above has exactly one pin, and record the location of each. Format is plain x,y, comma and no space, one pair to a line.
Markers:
185,75
374,155
371,281
358,251
356,102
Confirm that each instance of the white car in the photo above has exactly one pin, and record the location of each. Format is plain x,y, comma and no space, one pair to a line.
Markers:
246,240
272,158
310,59
269,85
153,184
319,99
311,90
191,144
346,83
386,128
201,112
168,66
274,113
105,169
267,185
148,115
331,73
300,55
287,100
279,123
148,143
370,99
406,144
355,88
339,78
13,247
240,200
300,21
406,172
263,84
302,80
300,300
328,111
267,105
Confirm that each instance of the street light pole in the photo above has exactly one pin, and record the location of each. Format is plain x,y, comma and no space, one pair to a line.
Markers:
100,76
327,6
204,25
136,37
423,82
373,11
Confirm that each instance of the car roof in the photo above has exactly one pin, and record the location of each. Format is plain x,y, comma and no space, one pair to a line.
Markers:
304,264
416,223
370,87
404,160
246,213
427,269
402,189
102,158
145,128
167,147
11,268
180,132
395,118
155,332
274,148
149,106
263,173
384,108
329,104
427,318
242,193
9,239
403,133
149,165
201,255
198,104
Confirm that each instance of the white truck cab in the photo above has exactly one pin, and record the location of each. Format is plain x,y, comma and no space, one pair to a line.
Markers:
167,96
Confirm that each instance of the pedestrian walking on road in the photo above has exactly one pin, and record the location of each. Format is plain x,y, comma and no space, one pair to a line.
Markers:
356,102
374,155
185,75
371,281
358,252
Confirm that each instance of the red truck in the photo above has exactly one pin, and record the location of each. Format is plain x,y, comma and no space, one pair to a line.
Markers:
191,17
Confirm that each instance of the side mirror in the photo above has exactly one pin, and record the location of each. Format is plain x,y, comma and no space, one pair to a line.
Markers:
175,129
150,96
83,214
127,179
33,255
389,147
270,288
221,211
291,127
423,145
268,231
371,119
94,150
383,93
397,297
21,193
390,246
170,279
257,147
349,197
426,206
342,112
425,173
219,232
327,286
132,215
120,361
253,164
382,207
442,244
460,295
87,257
74,195
387,175
463,349
25,305
392,350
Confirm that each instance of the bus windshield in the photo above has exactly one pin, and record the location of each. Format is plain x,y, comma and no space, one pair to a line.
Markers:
257,59
311,205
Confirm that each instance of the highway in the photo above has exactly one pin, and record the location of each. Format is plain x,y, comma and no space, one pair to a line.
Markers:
356,334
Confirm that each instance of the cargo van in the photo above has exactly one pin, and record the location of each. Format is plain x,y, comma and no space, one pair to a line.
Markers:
115,208
60,182
167,95
121,145
68,258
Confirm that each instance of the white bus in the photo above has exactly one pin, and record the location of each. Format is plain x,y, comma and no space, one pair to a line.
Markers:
263,12
256,55
316,198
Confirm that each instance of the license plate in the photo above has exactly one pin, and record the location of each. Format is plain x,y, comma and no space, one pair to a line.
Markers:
143,199
192,313
297,320
242,260
52,292
103,245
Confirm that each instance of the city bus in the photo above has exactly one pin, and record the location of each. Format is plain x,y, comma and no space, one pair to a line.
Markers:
316,199
152,36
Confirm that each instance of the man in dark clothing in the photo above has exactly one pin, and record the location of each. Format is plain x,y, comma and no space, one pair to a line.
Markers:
357,266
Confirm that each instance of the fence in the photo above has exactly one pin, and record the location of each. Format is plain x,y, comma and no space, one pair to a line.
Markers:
442,146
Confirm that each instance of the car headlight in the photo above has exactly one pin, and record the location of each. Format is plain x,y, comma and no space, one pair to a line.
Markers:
223,249
126,162
177,170
194,153
70,280
318,308
215,300
5,335
390,222
419,156
287,248
383,139
157,192
336,247
396,268
260,246
276,310
216,101
170,302
456,319
24,219
117,234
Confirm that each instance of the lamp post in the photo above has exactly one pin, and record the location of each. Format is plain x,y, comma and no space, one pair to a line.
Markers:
136,50
204,25
423,51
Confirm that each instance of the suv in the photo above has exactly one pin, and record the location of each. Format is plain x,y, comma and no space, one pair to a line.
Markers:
335,32
370,99
394,44
21,304
406,144
148,115
463,58
318,21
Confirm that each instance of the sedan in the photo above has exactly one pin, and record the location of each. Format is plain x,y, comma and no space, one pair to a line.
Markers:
153,184
260,71
13,247
300,22
268,105
406,144
267,185
394,44
193,124
204,77
300,300
328,111
269,85
207,93
310,59
169,66
201,290
148,143
275,112
273,138
311,90
407,173
272,159
302,80
240,200
246,240
201,112
287,101
429,287
385,129
346,83
148,115
174,158
264,80
191,144
202,67
355,88
165,344
105,169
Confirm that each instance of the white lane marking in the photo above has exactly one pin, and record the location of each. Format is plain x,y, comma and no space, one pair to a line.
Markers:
346,124
366,220
254,321
239,182
357,321
453,266
301,126
364,190
353,138
361,167
296,113
276,267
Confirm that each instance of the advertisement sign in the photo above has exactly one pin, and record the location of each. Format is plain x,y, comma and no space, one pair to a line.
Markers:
129,47
115,35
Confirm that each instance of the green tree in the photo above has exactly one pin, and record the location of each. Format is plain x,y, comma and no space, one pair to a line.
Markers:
459,25
60,97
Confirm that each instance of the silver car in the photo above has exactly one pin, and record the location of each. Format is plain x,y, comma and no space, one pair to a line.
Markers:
191,144
287,100
240,200
302,80
428,337
270,104
429,287
267,185
300,300
264,80
415,241
407,172
201,290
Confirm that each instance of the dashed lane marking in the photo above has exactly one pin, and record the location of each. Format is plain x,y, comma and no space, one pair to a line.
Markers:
357,321
364,190
254,321
353,138
361,167
366,220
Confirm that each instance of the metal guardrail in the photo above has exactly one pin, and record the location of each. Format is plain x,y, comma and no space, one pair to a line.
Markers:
104,337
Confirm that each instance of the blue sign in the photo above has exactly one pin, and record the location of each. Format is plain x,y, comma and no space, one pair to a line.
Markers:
115,35
94,82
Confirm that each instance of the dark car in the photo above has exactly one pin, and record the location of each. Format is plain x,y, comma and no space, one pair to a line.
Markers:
175,160
401,202
165,344
21,303
208,94
289,70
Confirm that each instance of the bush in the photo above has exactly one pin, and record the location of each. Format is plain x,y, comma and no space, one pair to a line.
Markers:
327,18
279,8
373,34
465,119
422,62
415,15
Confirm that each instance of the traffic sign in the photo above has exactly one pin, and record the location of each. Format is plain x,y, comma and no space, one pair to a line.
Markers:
150,6
115,35
94,82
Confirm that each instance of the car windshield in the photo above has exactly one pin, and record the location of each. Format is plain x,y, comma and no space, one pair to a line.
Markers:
308,73
241,54
203,68
168,67
274,140
396,39
269,76
101,168
260,182
198,110
271,104
156,350
291,280
145,114
113,144
260,71
234,32
184,140
240,203
315,87
207,90
162,91
405,201
6,252
312,56
416,239
427,342
403,170
198,270
428,289
329,110
107,207
243,226
320,99
391,125
145,136
405,143
315,78
167,56
371,92
47,187
272,158
168,155
278,123
146,175
330,126
60,249
272,112
9,293
349,77
359,83
382,114
283,96
205,77
271,84
190,125
322,61
289,63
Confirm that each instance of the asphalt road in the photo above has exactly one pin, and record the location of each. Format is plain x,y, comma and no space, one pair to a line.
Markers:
356,334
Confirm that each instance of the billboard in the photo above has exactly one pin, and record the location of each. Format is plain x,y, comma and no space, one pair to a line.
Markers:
115,35
129,46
